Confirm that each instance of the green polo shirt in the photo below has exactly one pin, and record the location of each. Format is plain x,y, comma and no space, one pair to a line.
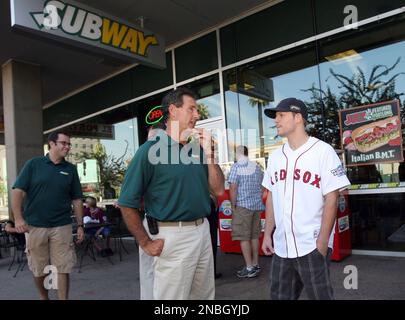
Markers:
50,189
172,179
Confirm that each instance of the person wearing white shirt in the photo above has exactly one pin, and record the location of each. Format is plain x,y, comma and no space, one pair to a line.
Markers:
304,178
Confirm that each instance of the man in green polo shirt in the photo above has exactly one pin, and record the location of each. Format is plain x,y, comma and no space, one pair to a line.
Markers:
48,187
175,179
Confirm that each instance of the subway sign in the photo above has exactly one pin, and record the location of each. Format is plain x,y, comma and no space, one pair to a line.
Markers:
74,23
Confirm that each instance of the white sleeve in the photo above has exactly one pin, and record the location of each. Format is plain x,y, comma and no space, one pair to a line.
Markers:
332,172
267,174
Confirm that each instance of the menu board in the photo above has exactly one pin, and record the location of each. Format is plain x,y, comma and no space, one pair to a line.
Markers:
371,134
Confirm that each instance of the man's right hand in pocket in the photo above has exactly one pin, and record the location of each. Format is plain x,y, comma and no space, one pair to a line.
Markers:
154,247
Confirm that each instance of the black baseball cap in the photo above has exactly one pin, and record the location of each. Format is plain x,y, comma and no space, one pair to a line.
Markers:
288,105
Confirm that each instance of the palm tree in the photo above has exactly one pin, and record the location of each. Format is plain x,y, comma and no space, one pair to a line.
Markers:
203,111
329,129
358,90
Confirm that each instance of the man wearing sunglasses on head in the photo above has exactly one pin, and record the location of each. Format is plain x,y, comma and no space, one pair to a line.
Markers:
42,200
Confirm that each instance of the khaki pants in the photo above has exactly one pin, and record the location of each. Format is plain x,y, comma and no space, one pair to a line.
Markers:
50,246
185,268
146,273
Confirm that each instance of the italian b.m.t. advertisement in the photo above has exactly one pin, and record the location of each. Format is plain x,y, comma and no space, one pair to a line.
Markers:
371,134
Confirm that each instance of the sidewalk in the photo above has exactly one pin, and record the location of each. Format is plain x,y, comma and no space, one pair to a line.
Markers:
378,278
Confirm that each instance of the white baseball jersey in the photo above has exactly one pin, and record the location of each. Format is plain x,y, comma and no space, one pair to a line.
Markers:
298,180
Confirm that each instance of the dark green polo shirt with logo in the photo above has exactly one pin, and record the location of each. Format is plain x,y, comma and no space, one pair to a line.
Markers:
172,179
50,189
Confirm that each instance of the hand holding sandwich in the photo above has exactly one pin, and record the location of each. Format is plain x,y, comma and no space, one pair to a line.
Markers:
203,137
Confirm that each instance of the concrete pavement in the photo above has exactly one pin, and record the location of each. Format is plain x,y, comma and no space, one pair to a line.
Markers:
378,278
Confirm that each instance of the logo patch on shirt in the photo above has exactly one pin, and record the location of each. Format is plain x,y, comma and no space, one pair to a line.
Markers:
65,173
339,171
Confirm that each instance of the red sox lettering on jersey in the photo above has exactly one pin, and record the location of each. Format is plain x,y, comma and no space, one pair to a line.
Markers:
298,181
306,177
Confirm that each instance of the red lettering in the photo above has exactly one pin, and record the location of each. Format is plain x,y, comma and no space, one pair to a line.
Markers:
156,114
358,117
283,174
307,177
355,117
316,181
297,175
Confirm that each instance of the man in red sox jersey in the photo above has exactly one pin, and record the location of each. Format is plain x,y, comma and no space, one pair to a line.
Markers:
303,177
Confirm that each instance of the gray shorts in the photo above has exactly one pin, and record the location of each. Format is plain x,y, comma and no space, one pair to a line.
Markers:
288,276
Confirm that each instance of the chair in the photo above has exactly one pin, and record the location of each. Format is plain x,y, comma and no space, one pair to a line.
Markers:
18,255
14,243
118,229
85,248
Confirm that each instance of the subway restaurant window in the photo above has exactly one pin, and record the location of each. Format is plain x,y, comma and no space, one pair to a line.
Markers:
102,148
252,88
208,97
361,68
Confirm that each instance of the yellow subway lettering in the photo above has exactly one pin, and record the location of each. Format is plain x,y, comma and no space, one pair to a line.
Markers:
113,33
144,43
130,41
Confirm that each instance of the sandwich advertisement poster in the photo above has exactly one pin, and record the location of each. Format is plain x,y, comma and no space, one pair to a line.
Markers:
371,134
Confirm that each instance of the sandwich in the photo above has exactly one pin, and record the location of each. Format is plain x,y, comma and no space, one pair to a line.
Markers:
193,136
376,134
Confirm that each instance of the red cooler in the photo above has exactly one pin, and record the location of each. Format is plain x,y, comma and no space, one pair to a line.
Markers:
225,226
342,245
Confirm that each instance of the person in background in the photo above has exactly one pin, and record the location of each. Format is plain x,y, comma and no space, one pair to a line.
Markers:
213,221
95,215
109,192
146,261
154,129
245,192
47,187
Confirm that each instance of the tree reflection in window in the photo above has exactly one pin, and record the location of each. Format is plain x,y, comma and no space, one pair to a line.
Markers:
354,91
111,168
203,111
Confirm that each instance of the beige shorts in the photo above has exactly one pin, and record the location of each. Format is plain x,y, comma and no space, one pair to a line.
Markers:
246,224
50,246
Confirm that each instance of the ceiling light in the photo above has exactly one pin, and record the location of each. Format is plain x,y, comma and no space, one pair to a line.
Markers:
344,56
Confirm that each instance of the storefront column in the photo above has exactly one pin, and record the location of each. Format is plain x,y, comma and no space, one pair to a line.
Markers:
22,104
